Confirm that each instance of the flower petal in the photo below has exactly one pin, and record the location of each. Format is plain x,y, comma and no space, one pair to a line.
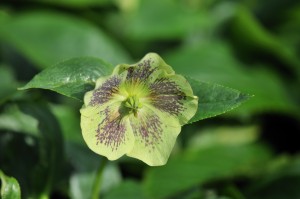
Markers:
106,130
138,111
107,89
173,94
155,135
146,69
105,126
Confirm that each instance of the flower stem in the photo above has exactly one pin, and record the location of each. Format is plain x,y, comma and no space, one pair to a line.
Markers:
97,183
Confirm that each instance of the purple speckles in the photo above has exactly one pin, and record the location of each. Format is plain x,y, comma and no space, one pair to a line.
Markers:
111,131
149,130
137,111
140,72
105,92
167,96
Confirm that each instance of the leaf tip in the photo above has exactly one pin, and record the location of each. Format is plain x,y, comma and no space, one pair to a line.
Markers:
245,96
22,88
25,87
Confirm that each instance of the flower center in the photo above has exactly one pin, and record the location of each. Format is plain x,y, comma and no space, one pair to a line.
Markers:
133,104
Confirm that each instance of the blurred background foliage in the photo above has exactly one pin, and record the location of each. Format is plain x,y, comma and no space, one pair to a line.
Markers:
250,45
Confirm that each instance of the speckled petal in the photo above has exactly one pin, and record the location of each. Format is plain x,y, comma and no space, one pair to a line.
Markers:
173,94
155,135
146,70
107,90
106,130
105,127
138,111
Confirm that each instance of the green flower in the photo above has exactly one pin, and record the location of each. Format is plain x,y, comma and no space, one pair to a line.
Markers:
137,111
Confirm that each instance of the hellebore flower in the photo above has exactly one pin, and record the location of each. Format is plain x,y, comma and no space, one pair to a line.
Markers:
137,111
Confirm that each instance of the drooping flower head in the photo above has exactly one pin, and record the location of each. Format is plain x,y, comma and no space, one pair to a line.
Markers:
137,111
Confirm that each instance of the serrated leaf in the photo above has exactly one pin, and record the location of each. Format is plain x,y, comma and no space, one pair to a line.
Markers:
214,99
72,78
10,187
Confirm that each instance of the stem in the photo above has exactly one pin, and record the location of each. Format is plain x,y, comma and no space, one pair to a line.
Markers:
97,183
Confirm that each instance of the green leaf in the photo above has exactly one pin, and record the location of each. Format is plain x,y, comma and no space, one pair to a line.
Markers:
223,135
76,3
196,167
280,183
171,20
13,119
83,175
51,152
214,99
289,31
126,190
46,38
8,83
215,62
72,78
10,188
69,120
251,35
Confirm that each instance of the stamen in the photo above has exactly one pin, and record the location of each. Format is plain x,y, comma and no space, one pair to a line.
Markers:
133,103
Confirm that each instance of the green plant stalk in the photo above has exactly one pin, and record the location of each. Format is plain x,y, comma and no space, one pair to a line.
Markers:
98,179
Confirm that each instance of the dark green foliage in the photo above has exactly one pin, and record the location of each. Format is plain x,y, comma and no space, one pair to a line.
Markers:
232,52
215,99
9,188
72,78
